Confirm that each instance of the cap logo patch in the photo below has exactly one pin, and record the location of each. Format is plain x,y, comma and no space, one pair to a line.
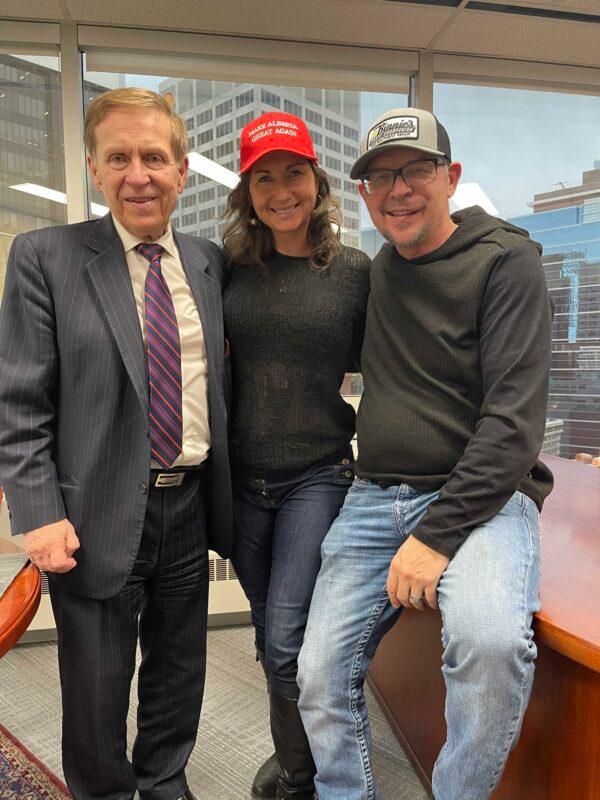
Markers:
393,128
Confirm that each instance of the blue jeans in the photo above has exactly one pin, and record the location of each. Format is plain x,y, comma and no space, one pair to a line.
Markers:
280,521
487,597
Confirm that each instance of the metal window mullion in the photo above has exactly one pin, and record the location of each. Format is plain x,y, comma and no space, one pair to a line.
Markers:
72,114
421,87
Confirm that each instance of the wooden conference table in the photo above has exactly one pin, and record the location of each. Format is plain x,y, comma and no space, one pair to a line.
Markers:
19,602
558,755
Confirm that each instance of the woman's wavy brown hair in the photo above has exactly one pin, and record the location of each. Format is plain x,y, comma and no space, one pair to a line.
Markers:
249,242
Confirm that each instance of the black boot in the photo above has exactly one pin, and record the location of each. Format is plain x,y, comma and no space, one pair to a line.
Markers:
265,780
296,766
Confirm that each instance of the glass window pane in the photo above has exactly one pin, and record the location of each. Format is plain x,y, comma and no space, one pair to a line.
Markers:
336,118
32,172
534,159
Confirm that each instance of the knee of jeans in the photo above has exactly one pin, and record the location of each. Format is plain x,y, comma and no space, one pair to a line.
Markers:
317,677
491,646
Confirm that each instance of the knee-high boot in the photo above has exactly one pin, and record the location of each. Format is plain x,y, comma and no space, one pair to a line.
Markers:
295,780
264,786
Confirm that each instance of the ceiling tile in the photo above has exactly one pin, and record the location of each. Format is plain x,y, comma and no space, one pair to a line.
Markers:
529,38
36,10
380,24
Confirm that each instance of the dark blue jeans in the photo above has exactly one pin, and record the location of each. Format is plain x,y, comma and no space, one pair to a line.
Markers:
280,520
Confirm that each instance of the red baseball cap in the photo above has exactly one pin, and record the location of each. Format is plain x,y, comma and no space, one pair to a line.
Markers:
274,131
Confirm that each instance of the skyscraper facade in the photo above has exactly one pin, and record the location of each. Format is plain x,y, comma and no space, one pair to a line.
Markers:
566,222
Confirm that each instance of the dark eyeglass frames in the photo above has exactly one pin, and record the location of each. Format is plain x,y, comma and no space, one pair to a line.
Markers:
415,174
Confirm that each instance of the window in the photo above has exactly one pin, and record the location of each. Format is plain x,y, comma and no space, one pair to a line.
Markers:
350,150
244,99
224,129
224,149
31,147
206,194
333,100
189,123
314,96
352,133
332,125
553,191
189,219
351,205
270,98
313,117
292,108
204,117
243,120
224,108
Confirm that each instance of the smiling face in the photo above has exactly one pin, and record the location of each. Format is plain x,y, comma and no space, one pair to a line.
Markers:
416,221
134,167
283,190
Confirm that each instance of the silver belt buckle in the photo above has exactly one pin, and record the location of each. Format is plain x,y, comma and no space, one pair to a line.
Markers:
168,479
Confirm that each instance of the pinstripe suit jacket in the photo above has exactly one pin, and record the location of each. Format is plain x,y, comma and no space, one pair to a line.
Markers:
74,395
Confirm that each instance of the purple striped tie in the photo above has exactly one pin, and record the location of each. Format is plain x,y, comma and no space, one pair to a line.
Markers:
164,362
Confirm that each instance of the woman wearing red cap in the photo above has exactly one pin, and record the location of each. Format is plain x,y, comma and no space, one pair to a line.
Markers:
294,312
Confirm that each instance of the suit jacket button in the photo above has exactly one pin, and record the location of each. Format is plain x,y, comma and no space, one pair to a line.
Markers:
143,488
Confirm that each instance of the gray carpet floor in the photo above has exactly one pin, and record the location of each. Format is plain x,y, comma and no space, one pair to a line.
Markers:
233,738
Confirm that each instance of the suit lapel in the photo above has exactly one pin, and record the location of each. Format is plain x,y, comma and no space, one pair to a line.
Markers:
110,277
207,296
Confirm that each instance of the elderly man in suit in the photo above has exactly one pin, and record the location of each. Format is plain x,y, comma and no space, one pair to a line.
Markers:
113,448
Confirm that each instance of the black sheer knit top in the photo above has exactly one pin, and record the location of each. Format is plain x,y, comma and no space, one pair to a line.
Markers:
294,331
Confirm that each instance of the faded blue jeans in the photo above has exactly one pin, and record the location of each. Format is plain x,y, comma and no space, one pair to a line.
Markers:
487,597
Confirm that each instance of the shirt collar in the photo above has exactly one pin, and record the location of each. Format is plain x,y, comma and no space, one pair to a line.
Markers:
130,242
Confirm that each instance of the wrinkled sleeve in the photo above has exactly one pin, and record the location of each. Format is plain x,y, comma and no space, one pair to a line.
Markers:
28,380
515,345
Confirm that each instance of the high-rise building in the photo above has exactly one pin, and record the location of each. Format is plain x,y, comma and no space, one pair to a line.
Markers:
566,221
31,147
215,113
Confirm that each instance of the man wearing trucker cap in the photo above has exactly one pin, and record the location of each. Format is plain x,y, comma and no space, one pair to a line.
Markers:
444,509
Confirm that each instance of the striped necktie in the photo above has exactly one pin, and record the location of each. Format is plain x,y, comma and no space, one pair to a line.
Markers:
164,361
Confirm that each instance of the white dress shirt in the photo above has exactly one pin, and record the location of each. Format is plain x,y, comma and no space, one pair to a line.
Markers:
194,377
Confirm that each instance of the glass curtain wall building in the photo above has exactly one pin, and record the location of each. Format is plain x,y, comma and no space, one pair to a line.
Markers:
566,221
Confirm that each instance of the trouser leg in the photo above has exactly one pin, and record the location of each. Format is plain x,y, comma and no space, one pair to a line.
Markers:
96,652
172,635
487,597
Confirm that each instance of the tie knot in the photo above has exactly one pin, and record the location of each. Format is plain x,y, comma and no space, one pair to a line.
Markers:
151,251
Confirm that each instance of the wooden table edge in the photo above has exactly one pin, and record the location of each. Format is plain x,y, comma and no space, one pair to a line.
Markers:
567,644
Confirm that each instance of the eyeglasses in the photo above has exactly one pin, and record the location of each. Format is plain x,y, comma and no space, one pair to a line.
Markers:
415,175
